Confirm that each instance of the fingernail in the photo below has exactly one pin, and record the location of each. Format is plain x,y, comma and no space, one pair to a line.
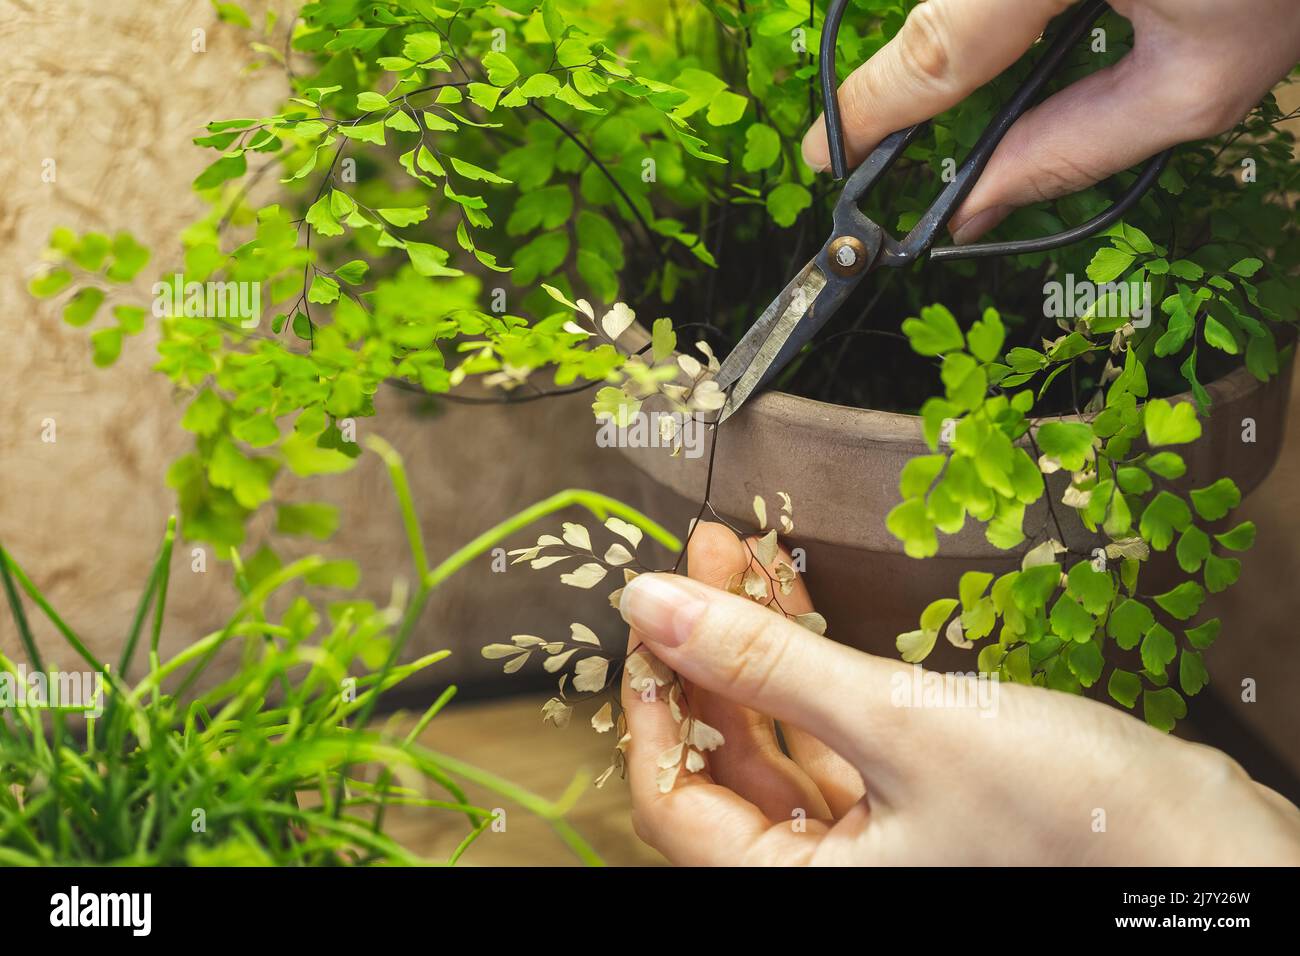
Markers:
815,154
978,224
662,607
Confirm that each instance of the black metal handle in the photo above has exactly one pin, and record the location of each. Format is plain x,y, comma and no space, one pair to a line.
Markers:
873,167
830,87
932,222
1068,36
1105,219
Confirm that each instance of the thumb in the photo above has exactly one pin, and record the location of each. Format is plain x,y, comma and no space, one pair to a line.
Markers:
732,647
944,51
1105,123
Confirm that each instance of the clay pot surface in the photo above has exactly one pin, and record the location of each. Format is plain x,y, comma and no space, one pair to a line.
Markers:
841,467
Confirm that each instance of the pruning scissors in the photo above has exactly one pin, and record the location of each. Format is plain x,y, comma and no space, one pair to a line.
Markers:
858,246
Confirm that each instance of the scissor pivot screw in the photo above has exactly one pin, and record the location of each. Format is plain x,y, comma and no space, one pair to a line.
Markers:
847,255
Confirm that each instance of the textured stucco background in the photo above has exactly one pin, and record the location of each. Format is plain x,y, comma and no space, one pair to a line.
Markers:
111,92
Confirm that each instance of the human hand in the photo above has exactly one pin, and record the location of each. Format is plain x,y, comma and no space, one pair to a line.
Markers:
1196,68
869,782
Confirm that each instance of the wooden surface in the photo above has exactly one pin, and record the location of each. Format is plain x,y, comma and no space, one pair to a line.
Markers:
508,738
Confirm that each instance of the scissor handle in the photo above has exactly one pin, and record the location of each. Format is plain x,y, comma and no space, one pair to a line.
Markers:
830,87
923,234
1103,220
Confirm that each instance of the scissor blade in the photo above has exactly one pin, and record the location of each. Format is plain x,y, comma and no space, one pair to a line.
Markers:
754,360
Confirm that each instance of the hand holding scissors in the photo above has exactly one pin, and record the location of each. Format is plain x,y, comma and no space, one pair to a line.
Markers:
928,82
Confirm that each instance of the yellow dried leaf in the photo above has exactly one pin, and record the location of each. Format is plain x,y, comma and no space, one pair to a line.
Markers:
553,664
956,634
666,778
644,666
1044,553
602,720
495,652
766,549
586,576
1076,497
667,429
675,393
694,761
812,621
617,555
617,320
625,530
577,536
755,586
785,576
670,757
583,634
518,662
760,510
557,712
691,366
589,674
704,737
707,397
1129,548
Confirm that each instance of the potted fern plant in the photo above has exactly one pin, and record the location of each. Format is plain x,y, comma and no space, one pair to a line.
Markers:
458,185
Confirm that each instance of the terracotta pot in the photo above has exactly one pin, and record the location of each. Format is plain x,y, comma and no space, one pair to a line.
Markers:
841,467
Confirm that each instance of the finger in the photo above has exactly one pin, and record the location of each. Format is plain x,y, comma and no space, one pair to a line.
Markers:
945,50
1107,122
652,730
752,764
838,783
733,647
751,761
697,822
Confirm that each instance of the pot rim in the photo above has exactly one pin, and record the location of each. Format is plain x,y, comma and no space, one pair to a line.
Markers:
889,427
875,426
858,454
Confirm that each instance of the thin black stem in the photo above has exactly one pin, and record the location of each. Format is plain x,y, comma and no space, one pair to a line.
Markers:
645,226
